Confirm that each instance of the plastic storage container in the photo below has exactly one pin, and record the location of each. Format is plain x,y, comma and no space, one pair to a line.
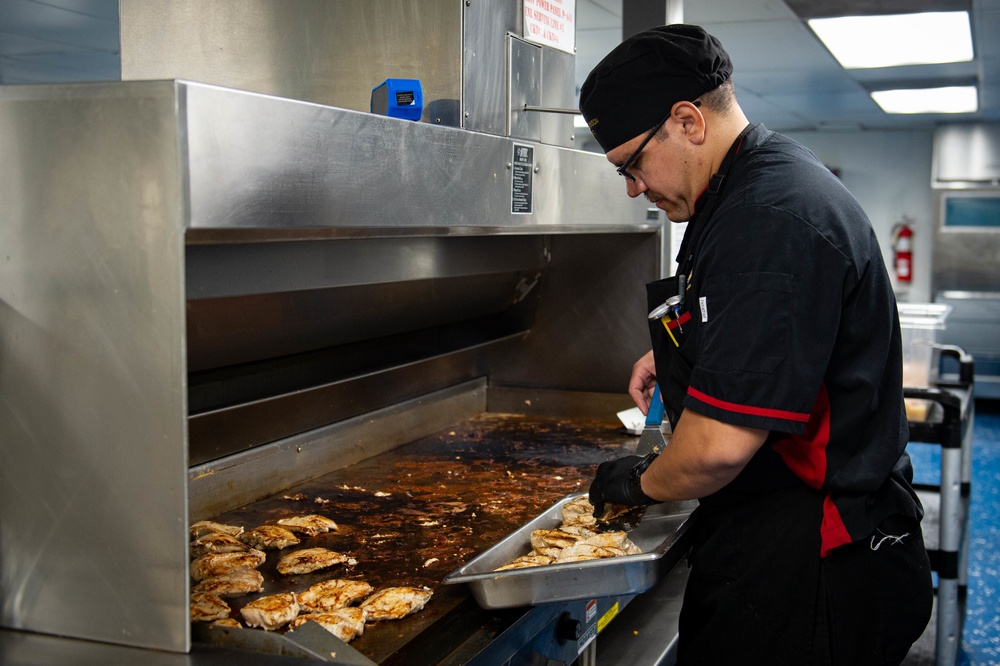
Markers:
921,325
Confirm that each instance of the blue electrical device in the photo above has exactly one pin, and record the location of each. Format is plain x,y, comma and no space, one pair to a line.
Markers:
398,98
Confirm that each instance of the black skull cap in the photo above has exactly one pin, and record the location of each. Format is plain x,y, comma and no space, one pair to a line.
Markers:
635,86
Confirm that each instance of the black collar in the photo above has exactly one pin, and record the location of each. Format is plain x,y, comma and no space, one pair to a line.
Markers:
708,201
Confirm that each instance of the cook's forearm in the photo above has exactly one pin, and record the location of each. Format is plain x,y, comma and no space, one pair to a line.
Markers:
702,457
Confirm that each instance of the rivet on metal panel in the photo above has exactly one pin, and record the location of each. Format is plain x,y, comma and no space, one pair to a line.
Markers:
298,449
509,166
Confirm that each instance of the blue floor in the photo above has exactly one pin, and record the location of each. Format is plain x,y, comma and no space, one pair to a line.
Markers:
981,634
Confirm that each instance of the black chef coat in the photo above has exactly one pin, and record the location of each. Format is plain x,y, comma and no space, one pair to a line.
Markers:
789,324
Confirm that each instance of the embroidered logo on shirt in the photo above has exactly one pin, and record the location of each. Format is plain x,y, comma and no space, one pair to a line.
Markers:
703,304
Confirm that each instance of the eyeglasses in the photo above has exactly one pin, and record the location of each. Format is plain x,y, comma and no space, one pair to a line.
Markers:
623,169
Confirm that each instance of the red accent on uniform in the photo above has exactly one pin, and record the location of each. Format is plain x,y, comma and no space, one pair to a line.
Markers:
683,319
832,531
746,409
805,454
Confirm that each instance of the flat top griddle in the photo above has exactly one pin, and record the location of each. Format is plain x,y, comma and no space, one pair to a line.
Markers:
416,513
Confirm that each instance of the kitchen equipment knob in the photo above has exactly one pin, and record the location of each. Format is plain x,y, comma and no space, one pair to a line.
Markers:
568,628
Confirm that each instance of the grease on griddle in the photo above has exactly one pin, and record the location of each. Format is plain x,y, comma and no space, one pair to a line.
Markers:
412,515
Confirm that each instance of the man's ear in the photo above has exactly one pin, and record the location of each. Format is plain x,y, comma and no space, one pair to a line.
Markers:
688,118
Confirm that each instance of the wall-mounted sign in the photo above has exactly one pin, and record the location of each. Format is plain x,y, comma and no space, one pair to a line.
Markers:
551,23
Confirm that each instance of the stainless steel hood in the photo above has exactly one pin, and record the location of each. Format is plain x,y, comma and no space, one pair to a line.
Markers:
129,207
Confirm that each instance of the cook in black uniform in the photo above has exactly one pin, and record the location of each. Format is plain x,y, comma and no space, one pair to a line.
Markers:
777,350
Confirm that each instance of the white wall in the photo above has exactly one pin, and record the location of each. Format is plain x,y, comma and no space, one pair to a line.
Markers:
890,174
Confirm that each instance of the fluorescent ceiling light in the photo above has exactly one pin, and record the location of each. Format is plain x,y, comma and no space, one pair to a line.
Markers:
863,42
957,99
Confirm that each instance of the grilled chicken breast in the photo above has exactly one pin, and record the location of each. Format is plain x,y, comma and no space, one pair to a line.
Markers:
241,581
618,540
580,552
217,542
553,539
206,607
312,559
576,539
310,525
393,603
333,594
269,536
271,612
344,623
526,561
578,512
216,564
203,527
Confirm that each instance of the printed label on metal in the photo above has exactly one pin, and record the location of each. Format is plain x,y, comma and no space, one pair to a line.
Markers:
591,609
607,617
587,637
523,163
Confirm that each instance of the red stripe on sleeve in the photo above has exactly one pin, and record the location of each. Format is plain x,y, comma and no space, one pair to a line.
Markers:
747,409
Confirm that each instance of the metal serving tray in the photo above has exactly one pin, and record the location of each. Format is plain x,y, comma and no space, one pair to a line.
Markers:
659,535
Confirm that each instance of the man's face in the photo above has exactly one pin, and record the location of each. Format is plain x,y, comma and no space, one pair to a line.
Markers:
661,171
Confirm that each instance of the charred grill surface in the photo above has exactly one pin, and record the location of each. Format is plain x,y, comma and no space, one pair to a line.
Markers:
411,516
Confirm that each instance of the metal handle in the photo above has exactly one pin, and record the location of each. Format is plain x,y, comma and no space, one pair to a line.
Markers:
551,109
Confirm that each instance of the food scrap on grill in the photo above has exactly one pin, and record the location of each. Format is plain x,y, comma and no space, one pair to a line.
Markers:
228,622
573,541
206,607
241,581
310,525
203,527
333,594
312,559
271,612
217,542
393,603
344,623
269,537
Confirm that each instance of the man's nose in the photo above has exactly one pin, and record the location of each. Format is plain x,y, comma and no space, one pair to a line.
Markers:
634,187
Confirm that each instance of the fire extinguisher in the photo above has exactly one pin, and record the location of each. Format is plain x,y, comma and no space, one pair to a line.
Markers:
902,248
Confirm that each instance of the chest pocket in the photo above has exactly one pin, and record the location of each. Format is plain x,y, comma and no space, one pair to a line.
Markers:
748,321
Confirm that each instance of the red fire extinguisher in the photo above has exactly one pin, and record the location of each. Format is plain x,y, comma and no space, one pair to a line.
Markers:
902,248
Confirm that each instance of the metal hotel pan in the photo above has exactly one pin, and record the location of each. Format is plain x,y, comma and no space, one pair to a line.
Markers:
659,535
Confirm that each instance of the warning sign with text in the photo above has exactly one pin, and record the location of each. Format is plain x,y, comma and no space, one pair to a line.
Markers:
551,22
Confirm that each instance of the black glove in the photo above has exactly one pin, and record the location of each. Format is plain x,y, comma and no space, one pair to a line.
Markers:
617,482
